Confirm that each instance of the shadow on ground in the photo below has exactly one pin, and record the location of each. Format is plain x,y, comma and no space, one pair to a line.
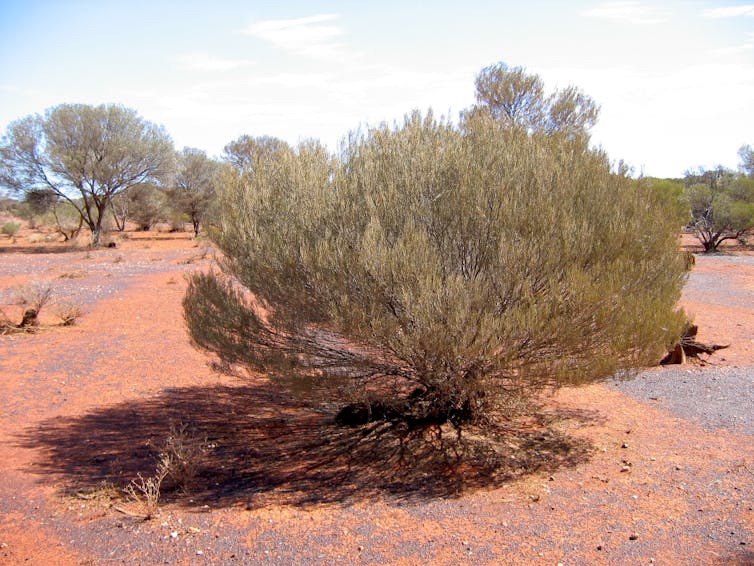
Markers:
63,249
259,447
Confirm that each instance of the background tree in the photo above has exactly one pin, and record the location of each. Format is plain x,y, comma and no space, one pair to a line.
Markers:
746,154
517,99
433,274
722,205
147,205
246,151
193,187
84,154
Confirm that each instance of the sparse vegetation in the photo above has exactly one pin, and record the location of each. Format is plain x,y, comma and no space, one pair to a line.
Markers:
34,297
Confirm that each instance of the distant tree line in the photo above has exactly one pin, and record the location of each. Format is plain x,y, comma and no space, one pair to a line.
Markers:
715,204
78,165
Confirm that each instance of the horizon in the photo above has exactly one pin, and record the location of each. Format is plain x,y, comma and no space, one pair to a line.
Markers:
675,80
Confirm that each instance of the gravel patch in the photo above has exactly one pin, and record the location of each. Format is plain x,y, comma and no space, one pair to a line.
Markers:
85,278
713,289
714,397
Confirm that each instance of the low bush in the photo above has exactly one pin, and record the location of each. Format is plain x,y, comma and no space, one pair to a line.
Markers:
10,229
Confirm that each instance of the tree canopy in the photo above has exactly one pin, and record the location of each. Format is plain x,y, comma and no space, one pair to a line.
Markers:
85,155
518,99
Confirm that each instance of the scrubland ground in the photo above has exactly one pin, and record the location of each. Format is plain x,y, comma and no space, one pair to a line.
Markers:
658,469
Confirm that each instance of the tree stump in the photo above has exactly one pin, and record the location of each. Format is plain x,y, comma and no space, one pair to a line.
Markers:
690,347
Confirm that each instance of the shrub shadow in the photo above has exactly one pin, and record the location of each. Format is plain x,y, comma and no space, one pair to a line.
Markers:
43,249
261,447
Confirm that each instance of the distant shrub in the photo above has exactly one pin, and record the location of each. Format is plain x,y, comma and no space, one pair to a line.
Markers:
10,229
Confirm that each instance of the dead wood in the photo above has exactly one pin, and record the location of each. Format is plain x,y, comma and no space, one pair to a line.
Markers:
689,347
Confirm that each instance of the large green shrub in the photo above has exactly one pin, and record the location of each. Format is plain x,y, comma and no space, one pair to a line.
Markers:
438,273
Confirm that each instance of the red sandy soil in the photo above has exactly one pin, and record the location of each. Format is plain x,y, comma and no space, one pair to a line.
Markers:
606,479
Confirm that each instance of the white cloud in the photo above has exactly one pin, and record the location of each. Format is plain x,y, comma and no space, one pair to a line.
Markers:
206,62
313,36
730,11
628,12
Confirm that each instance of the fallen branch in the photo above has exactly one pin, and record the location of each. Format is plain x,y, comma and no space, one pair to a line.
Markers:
690,347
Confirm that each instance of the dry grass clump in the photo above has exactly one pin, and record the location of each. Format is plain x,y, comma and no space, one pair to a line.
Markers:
68,313
145,493
34,297
179,464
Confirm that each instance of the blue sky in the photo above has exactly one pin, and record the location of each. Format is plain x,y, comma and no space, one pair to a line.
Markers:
675,79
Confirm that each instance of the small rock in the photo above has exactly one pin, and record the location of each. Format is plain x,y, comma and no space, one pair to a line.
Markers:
361,548
624,445
633,536
174,534
599,547
199,552
625,468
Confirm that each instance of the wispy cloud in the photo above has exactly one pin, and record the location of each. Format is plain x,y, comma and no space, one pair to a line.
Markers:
730,11
313,36
628,12
206,62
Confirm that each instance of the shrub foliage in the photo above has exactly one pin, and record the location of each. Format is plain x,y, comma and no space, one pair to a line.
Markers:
436,273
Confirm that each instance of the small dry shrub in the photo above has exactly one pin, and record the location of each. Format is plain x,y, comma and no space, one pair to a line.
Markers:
68,313
145,492
183,457
35,295
177,469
